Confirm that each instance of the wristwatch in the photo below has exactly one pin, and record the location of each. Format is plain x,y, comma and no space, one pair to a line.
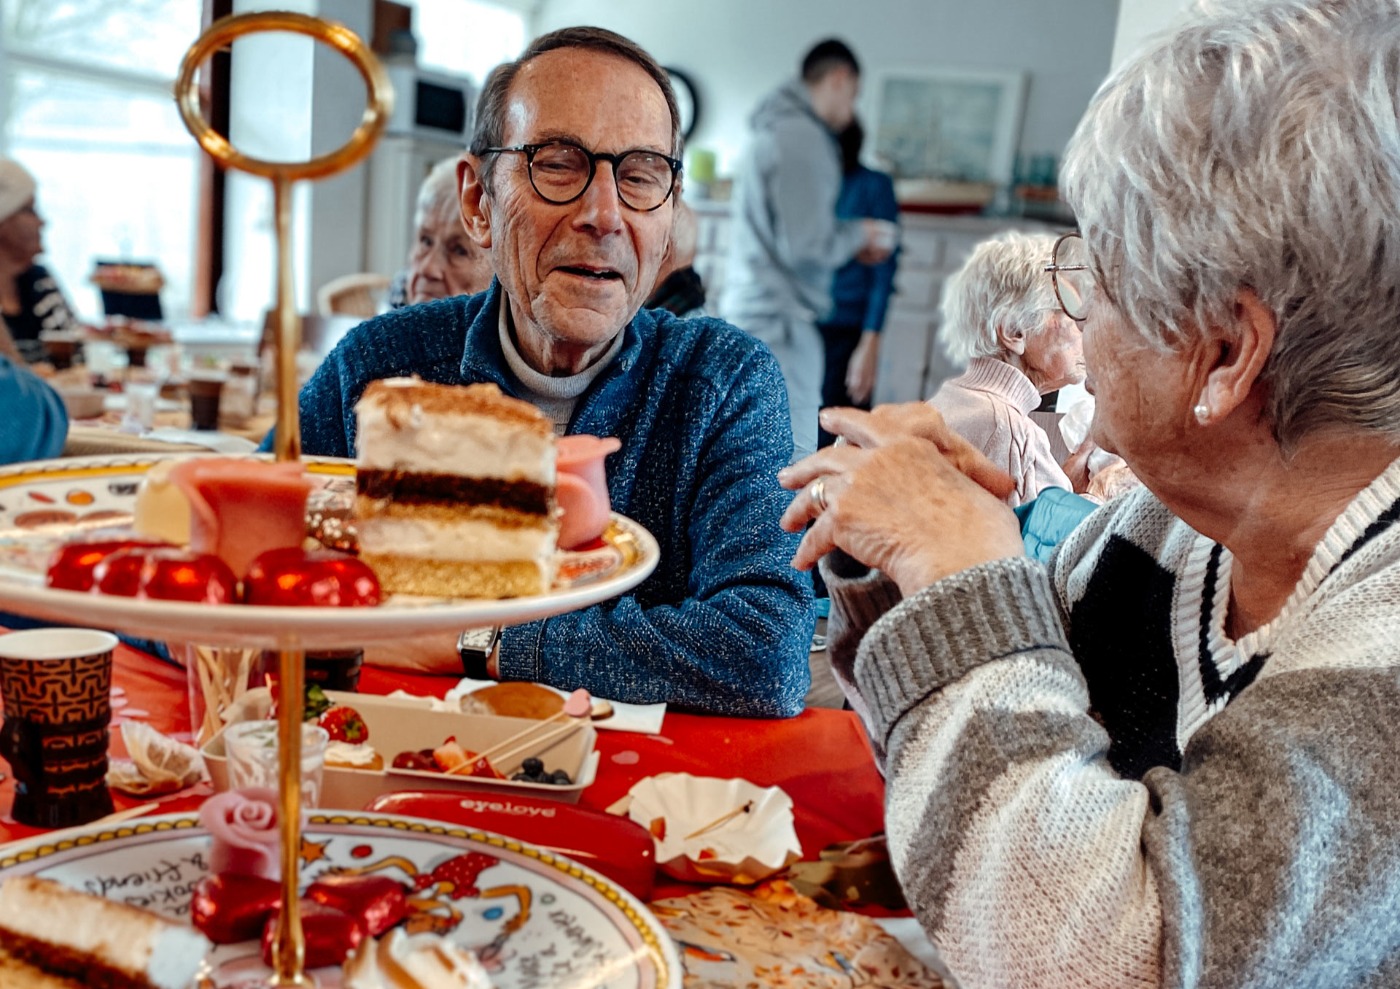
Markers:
475,646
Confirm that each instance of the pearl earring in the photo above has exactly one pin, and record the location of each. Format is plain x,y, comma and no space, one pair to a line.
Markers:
1202,412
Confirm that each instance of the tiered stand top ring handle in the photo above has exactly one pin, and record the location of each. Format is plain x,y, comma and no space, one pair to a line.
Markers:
289,949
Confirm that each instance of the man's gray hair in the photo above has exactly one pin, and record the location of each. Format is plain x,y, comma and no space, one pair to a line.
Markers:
490,126
1259,147
1003,284
437,196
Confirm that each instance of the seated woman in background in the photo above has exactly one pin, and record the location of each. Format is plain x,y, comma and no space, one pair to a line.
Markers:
30,300
1001,317
1167,759
443,261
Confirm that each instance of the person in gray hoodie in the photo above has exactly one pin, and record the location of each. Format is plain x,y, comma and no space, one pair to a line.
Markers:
786,241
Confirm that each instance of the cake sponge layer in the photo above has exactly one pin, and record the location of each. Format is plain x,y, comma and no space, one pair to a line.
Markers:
456,578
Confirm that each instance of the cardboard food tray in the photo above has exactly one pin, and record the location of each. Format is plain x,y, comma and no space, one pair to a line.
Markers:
397,725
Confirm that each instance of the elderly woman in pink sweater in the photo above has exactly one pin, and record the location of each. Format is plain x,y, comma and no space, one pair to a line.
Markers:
1001,317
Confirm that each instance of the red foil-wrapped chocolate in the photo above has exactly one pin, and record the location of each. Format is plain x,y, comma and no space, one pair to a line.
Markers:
228,907
330,934
377,902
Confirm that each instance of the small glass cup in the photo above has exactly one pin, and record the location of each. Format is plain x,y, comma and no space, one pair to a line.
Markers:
141,397
251,749
205,389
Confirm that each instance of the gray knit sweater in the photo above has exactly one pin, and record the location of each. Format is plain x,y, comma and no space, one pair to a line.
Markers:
1091,784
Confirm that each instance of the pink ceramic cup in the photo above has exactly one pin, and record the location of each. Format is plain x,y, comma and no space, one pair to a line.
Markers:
583,488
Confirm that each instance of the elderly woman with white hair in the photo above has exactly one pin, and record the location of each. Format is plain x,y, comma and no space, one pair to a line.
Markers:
30,300
443,261
1001,318
1167,758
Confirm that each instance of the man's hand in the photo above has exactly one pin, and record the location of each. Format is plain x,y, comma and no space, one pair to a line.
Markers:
904,494
860,372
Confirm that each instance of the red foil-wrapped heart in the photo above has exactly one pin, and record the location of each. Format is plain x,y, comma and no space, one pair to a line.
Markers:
318,578
330,934
72,564
228,907
377,902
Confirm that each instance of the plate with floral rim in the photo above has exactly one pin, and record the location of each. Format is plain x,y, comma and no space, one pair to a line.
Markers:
536,919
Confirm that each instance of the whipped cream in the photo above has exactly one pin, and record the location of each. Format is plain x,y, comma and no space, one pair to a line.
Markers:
467,540
422,961
347,754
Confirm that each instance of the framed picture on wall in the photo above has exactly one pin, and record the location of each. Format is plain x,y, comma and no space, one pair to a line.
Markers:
948,124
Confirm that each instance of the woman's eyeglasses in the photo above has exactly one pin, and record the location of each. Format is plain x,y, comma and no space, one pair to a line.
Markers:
561,172
1069,273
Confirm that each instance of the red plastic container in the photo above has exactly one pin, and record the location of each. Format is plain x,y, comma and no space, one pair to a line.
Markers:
615,846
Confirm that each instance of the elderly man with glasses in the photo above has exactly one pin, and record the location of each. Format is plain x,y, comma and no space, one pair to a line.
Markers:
570,182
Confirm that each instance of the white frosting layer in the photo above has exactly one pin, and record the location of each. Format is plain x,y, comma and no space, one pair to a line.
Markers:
347,754
469,541
446,443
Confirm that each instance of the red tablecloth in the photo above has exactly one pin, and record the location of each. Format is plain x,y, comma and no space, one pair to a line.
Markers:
821,758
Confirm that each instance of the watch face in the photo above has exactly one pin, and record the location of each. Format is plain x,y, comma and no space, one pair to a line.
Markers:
688,100
478,638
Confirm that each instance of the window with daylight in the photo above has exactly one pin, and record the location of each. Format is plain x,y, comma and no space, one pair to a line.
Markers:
85,105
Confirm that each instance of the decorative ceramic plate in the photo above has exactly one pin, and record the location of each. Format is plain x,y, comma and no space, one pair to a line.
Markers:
580,930
46,502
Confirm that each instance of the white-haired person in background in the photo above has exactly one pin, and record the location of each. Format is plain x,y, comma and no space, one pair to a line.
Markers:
443,261
30,300
1000,316
1167,758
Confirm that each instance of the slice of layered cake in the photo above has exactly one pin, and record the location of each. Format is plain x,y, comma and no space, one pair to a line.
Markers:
75,938
455,490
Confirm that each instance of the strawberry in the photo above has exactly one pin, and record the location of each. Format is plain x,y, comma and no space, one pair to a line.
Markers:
344,724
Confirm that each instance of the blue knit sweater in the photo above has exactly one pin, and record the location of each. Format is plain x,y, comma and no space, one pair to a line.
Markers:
36,422
723,624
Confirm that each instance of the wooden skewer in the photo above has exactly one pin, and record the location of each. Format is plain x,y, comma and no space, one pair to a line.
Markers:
507,758
511,742
722,819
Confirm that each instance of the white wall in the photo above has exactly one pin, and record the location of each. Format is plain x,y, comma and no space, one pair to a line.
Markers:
292,98
1141,20
738,50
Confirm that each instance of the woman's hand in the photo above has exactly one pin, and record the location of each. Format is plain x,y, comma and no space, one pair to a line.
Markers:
903,494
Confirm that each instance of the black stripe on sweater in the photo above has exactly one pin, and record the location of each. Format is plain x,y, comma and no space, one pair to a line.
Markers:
1383,521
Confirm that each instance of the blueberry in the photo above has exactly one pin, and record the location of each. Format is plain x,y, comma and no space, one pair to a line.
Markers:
533,766
560,778
521,777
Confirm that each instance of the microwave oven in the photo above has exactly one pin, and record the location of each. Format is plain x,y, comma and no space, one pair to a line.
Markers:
433,105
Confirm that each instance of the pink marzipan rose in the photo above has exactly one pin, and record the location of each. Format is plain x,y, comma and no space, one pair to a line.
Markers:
243,824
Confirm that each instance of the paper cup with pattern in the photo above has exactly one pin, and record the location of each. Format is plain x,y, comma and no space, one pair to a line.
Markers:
57,688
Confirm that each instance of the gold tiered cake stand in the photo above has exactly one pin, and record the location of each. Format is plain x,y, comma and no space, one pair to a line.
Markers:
106,486
289,947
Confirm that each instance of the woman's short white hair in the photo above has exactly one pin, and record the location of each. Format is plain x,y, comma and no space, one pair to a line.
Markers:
1002,285
437,196
1259,147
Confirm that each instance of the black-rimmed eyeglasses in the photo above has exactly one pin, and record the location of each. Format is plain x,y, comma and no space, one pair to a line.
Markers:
1069,273
561,172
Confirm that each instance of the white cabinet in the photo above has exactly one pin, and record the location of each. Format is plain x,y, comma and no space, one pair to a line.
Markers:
932,247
